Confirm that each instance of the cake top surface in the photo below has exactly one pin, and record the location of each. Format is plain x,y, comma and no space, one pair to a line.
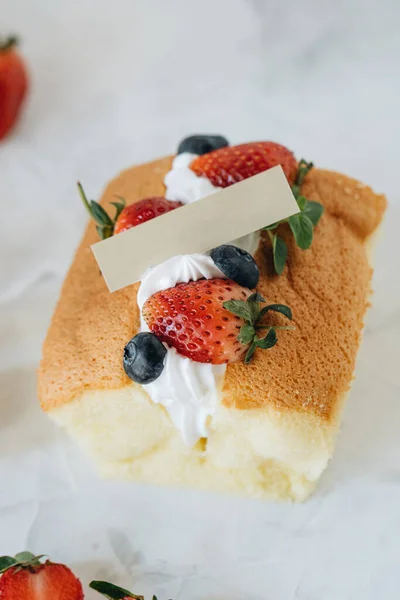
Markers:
327,288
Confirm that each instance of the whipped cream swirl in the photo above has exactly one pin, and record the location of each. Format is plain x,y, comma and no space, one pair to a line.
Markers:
189,390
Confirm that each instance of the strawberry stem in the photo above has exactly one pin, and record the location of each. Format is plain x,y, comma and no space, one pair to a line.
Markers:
22,560
284,327
301,224
104,223
303,169
9,43
84,199
251,312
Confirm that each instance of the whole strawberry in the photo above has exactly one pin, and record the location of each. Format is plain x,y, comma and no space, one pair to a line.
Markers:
232,164
13,85
126,217
25,577
143,211
211,320
190,317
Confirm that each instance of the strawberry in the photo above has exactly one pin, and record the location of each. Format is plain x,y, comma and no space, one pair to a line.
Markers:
126,216
143,211
13,85
226,166
26,578
190,317
210,320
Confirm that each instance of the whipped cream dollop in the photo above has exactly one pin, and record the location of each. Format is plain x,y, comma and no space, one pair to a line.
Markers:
183,184
188,390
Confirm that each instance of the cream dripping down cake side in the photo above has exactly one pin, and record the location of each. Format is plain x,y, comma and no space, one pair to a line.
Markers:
226,371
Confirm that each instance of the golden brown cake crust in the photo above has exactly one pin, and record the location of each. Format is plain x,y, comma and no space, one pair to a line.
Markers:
327,288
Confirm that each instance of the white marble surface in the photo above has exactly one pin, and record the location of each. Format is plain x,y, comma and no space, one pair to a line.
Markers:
119,82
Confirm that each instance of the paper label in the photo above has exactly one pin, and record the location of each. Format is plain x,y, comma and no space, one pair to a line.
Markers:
217,219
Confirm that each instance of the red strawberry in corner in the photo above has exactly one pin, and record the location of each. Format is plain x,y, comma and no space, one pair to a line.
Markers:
24,577
232,164
13,85
126,217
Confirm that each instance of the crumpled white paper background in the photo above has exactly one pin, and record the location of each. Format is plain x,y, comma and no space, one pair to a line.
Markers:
122,82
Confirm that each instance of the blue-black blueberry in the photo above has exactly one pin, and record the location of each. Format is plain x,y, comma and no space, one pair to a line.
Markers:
144,358
201,144
236,264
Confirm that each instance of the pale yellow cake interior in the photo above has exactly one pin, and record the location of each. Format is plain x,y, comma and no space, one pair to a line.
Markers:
262,453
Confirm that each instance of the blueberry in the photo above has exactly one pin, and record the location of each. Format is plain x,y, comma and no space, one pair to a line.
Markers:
236,264
201,144
144,358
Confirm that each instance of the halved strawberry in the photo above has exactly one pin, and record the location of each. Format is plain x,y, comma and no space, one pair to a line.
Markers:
211,320
26,578
226,166
126,217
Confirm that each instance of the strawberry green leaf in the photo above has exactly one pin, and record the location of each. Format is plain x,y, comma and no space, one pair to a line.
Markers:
27,557
253,302
24,556
107,232
273,225
303,169
6,562
105,225
280,308
99,214
240,308
84,198
104,232
300,224
301,202
269,341
254,308
113,592
9,43
256,297
302,229
19,561
119,207
296,191
246,334
250,352
251,312
100,231
314,211
280,253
